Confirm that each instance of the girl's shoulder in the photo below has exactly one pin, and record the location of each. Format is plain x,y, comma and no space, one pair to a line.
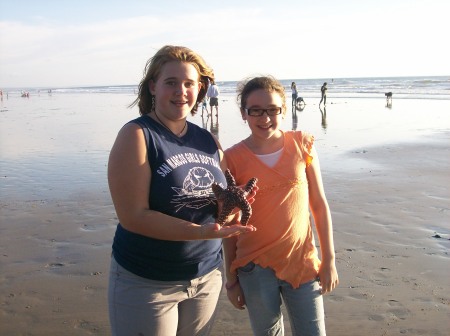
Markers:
303,137
305,142
237,147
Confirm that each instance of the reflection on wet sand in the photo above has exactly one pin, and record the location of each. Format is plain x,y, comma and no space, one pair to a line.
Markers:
324,117
213,125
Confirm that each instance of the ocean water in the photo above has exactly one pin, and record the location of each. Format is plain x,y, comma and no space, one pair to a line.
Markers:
431,87
56,144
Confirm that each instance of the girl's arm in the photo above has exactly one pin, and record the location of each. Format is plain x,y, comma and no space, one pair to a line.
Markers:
322,218
234,292
129,178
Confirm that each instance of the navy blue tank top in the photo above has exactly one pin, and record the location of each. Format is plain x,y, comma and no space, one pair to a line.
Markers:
183,170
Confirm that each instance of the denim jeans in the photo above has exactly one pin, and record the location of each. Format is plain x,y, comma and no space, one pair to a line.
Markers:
263,293
140,306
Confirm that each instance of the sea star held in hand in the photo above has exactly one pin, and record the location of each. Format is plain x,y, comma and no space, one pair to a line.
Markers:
234,197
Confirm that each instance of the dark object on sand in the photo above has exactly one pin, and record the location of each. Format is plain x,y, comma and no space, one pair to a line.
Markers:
388,98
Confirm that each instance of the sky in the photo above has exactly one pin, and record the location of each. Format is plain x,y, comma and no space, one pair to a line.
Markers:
107,42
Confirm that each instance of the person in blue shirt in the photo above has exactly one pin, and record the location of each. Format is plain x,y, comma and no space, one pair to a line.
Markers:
165,276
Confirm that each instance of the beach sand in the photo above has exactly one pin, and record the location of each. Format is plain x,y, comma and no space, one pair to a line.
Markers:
386,175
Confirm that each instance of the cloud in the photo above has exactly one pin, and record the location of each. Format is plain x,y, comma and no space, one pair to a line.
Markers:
49,54
309,41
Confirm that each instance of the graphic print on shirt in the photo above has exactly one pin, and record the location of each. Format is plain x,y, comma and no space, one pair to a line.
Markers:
196,191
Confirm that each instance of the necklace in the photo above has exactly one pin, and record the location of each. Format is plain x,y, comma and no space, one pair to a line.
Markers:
185,124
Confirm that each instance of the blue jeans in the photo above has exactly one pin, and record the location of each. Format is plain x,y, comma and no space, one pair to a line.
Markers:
139,306
263,292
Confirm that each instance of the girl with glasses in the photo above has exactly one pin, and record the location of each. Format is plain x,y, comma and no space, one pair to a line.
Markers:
279,260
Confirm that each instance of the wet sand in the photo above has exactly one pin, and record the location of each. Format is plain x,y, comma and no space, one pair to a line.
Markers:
385,174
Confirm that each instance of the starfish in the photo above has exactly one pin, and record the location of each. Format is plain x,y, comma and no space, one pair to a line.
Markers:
234,197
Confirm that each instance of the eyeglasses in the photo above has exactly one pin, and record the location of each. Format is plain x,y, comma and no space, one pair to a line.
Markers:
258,112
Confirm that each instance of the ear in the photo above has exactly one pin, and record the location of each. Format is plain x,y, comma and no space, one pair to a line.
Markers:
243,114
151,86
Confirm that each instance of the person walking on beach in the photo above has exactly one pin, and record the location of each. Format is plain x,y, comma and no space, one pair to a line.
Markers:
294,95
205,105
213,96
165,276
279,259
323,91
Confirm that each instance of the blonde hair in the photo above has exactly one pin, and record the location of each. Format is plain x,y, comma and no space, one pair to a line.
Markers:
153,68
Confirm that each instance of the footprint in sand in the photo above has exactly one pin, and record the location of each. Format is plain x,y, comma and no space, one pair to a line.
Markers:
55,265
398,311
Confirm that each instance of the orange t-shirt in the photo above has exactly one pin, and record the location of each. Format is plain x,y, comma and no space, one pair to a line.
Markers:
284,240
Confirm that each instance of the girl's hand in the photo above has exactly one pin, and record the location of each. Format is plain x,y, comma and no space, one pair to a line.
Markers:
236,296
328,276
214,231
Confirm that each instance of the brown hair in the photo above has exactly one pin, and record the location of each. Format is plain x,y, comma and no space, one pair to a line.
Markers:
268,83
153,68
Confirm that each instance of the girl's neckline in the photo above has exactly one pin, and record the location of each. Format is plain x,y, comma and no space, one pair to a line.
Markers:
159,121
257,150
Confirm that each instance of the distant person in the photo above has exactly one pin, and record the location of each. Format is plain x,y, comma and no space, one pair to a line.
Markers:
323,91
294,94
213,95
279,262
388,99
166,266
205,105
